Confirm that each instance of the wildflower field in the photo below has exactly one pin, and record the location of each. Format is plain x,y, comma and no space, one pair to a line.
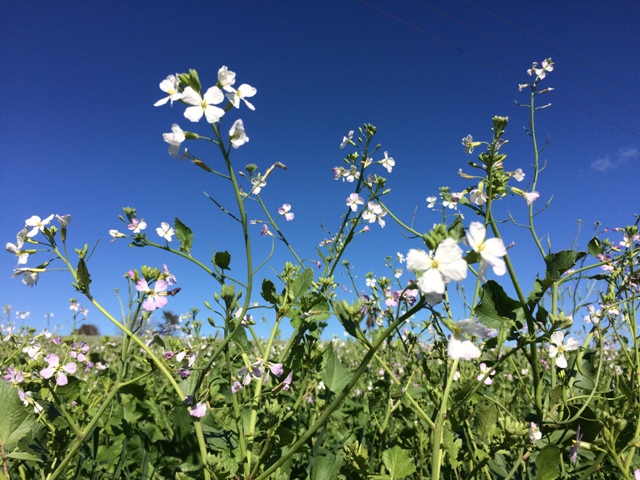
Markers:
448,367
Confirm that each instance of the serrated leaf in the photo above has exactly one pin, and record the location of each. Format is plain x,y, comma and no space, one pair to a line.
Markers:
222,260
184,236
269,292
301,284
335,376
486,419
557,264
16,420
398,462
496,307
452,445
548,463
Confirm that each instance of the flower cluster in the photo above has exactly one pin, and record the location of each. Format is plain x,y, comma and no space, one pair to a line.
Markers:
186,88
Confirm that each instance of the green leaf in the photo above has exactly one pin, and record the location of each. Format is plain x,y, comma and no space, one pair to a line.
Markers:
222,260
496,307
557,264
335,376
456,229
548,463
84,279
184,236
452,445
16,420
301,284
595,247
326,467
486,419
398,462
269,292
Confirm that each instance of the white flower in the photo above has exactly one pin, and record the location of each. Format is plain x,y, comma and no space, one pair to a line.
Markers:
165,231
258,184
479,197
226,77
371,282
137,225
373,213
490,250
346,140
169,85
29,275
534,433
558,348
116,234
243,91
353,201
37,224
431,201
531,197
16,249
203,105
484,370
546,67
387,162
237,135
518,175
438,268
174,139
469,144
462,348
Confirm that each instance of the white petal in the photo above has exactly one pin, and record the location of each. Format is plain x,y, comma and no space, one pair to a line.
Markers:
418,260
557,338
448,251
461,348
194,113
455,271
431,282
191,97
475,235
572,344
561,361
213,96
213,114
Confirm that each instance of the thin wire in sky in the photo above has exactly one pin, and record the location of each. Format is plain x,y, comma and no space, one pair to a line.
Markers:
544,42
528,57
495,66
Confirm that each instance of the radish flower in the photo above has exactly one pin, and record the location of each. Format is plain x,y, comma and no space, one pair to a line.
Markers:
490,250
203,105
558,348
438,268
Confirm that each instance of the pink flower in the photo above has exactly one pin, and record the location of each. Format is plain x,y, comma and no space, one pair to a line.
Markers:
55,368
199,410
285,210
156,297
531,197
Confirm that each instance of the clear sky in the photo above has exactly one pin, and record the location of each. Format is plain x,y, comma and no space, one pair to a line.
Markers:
81,135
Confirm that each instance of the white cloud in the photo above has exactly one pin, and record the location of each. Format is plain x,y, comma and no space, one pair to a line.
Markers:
612,162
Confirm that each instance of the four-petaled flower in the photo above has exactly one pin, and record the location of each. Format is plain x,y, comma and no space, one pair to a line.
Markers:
388,162
234,96
438,268
237,134
169,85
137,225
531,197
165,231
353,201
198,410
156,297
518,174
558,348
29,275
546,67
203,105
469,144
461,347
347,139
486,371
373,213
174,139
37,224
490,250
54,368
534,433
16,249
285,210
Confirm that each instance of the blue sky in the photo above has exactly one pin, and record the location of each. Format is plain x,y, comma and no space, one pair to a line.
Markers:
82,136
